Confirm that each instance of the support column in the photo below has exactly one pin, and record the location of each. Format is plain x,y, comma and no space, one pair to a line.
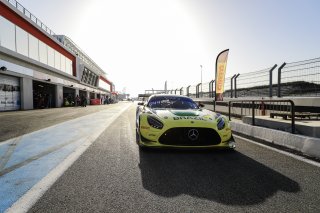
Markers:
231,94
235,85
270,80
279,79
77,91
26,85
59,96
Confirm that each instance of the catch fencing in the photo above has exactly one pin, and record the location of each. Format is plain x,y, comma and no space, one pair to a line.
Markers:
300,78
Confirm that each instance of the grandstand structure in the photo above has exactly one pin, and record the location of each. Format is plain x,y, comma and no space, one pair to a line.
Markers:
39,69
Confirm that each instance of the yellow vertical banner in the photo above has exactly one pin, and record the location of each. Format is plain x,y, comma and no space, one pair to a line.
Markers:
221,66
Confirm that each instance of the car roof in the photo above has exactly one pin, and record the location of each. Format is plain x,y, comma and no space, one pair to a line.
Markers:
168,95
144,95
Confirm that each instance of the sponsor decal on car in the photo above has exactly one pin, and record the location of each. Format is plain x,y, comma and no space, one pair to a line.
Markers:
145,127
207,117
189,118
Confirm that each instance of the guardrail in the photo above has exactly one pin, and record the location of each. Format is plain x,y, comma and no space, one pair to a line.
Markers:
277,110
241,108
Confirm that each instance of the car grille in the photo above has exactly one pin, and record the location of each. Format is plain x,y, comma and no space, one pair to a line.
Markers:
190,137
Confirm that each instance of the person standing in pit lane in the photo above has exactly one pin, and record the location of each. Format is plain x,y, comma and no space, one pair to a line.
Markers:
84,101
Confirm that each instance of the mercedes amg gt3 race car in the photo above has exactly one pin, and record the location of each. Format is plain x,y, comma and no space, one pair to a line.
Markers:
176,121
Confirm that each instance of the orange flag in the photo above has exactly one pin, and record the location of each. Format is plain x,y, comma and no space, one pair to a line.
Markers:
221,65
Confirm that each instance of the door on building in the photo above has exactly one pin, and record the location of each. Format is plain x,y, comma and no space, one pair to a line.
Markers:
69,96
92,96
82,93
43,95
9,93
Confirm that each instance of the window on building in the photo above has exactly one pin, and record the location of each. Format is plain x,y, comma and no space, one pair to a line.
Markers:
16,39
50,57
63,63
22,41
69,66
33,47
43,53
7,34
57,59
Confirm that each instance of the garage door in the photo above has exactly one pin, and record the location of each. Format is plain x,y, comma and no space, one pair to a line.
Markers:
9,93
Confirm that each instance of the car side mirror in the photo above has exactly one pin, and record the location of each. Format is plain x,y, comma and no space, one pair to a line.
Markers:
201,105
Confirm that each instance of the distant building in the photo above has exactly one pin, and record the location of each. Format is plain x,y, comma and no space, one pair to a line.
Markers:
122,96
40,69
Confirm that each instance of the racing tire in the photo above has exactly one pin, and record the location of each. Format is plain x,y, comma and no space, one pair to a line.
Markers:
143,148
137,132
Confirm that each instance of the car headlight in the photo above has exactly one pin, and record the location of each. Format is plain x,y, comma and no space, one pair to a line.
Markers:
154,122
221,123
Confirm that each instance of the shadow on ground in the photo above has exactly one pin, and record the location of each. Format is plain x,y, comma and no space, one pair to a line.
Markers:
226,177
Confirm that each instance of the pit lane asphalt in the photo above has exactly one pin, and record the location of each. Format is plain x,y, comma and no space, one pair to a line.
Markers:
114,176
41,156
17,123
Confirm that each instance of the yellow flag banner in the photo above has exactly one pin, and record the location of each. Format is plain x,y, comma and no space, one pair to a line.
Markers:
221,65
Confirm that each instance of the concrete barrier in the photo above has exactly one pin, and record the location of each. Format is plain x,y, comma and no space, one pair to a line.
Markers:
306,145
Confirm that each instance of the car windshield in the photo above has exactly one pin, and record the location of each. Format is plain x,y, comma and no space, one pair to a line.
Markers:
172,102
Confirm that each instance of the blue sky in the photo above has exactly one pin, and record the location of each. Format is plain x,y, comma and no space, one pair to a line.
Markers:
143,43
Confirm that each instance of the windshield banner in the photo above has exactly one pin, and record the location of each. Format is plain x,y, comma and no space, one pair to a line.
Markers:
221,65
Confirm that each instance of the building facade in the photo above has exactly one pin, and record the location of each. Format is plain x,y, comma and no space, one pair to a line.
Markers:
39,69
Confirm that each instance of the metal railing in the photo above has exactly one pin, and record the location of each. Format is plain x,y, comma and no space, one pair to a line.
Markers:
272,108
253,108
29,15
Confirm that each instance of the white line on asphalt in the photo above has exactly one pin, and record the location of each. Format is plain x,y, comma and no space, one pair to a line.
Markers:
297,157
36,192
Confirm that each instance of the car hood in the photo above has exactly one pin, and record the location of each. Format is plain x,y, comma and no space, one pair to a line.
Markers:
189,114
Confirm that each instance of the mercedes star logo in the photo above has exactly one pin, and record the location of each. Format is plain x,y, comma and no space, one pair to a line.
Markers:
193,134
